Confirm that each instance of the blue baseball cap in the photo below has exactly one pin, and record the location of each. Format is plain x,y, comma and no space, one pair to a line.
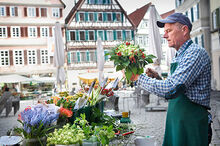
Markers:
175,17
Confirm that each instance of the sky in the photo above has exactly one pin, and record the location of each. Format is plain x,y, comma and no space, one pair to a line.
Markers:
129,6
162,6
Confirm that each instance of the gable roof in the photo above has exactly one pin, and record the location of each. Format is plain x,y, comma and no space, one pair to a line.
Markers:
138,14
164,15
73,11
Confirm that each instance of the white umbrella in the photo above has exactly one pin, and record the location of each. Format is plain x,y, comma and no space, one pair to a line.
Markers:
154,35
100,60
59,56
14,78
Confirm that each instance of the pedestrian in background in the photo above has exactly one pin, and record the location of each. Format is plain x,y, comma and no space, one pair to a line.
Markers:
187,87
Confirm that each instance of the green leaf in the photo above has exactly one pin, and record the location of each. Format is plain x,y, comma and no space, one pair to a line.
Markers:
128,73
140,71
134,70
119,67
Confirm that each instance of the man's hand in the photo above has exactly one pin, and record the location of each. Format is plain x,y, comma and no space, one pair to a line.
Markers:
134,77
153,74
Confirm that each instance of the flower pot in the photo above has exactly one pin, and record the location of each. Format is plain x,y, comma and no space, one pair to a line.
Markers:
90,143
35,142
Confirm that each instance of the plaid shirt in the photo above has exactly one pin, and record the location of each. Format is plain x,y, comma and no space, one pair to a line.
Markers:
193,71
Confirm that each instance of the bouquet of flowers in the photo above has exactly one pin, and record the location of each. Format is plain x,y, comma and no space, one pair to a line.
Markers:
130,58
36,121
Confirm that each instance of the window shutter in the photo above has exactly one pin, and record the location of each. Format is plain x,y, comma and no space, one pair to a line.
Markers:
25,32
106,57
50,32
86,16
16,11
122,17
11,57
95,35
202,39
95,55
68,35
192,17
77,35
25,12
22,31
196,40
95,16
38,57
7,11
105,32
78,56
114,35
9,32
114,16
124,35
87,56
61,12
25,57
77,17
217,17
37,12
198,11
96,1
38,31
87,35
104,1
104,16
87,1
132,34
69,58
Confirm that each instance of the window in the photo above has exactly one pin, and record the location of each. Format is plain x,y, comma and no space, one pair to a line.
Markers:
13,11
91,17
32,57
92,1
92,56
3,31
195,12
44,56
100,34
128,35
82,35
81,16
44,31
216,19
118,17
91,35
32,32
119,35
72,35
2,11
18,57
110,36
100,1
43,12
189,15
140,40
15,32
31,11
146,39
83,56
144,24
4,58
56,12
100,17
109,16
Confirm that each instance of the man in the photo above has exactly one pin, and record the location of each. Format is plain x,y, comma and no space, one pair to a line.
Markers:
187,88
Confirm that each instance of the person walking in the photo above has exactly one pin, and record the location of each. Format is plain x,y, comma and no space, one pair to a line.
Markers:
187,87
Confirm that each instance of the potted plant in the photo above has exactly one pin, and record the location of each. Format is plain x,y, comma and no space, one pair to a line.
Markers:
36,122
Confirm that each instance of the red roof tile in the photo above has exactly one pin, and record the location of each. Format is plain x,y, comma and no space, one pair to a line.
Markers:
138,14
164,15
